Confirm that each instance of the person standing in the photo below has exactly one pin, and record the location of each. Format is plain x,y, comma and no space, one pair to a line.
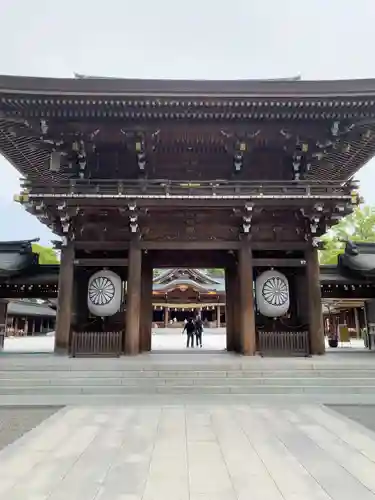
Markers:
190,330
198,331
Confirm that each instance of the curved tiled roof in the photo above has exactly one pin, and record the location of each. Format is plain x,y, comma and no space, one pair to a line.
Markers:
16,257
190,283
26,308
358,259
124,86
193,273
288,100
286,79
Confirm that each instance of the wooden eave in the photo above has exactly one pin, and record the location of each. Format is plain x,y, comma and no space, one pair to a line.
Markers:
228,88
139,101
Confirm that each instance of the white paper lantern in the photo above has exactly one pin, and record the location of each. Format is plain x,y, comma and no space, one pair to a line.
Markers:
272,294
104,293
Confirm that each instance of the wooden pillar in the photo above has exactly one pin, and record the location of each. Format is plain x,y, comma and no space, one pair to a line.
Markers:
133,299
64,299
146,306
218,316
228,316
233,309
357,325
80,311
229,320
3,315
316,329
166,317
365,316
247,316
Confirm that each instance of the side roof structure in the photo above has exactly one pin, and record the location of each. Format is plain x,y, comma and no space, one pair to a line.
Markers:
358,260
16,257
28,308
19,265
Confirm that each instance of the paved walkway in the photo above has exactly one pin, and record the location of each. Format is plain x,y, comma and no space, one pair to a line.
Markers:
163,339
191,453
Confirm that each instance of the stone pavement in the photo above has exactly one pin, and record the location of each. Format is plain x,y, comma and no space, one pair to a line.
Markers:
188,452
163,339
16,421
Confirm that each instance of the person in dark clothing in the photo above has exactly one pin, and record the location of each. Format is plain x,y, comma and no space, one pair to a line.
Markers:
190,330
198,331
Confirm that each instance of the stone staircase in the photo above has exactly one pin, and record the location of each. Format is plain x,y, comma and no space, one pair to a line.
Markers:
55,380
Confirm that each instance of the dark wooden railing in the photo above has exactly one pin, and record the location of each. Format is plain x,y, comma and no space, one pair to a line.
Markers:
279,343
167,188
106,344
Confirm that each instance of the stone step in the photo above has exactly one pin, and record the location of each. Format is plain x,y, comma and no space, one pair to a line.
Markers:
252,365
170,400
110,382
48,390
186,374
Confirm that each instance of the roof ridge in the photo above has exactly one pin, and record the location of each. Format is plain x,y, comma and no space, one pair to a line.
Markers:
296,78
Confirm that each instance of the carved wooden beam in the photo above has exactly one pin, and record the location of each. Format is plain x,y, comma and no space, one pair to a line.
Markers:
87,262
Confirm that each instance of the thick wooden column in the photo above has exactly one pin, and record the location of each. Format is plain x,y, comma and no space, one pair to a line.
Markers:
166,317
146,306
231,299
80,312
133,299
64,300
316,328
3,315
232,309
218,316
229,320
247,316
356,321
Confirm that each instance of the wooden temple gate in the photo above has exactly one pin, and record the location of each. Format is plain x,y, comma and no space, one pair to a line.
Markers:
243,333
137,174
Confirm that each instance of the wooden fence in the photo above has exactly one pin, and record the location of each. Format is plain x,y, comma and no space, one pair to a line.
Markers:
279,343
106,344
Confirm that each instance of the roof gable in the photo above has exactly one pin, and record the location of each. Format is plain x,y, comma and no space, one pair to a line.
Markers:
177,274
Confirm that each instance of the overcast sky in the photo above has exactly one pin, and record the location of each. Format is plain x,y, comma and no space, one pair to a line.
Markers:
212,39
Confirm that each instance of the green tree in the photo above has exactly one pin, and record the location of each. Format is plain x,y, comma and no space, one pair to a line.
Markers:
46,255
358,226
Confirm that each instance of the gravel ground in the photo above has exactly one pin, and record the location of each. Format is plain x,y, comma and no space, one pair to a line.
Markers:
362,414
16,421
